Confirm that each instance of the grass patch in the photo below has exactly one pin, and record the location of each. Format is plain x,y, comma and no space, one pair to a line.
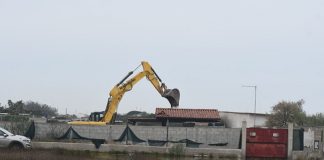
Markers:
62,154
176,150
228,156
48,154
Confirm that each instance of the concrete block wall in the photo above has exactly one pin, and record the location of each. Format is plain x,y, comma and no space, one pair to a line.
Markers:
216,153
98,132
150,132
204,135
312,134
49,130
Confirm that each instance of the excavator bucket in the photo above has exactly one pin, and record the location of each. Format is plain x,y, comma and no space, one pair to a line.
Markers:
173,96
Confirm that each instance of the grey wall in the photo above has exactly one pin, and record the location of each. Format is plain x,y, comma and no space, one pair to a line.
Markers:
205,135
312,134
215,153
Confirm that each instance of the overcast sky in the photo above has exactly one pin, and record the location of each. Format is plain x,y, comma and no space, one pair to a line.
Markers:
70,53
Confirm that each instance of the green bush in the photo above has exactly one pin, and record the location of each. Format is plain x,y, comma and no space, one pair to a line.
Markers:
14,118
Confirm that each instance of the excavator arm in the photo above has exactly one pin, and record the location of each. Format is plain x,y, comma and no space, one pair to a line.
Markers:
117,93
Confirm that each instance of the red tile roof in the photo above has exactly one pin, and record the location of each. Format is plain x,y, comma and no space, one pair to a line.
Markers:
181,113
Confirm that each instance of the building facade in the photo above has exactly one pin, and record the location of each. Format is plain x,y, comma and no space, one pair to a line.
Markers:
234,119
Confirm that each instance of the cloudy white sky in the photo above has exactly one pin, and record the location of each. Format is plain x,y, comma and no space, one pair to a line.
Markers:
70,53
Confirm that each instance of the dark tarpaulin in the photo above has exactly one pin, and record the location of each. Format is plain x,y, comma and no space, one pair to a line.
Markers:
72,134
129,135
189,143
240,141
218,144
98,142
156,142
30,133
298,139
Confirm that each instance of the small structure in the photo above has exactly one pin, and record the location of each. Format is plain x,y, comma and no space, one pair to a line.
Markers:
196,116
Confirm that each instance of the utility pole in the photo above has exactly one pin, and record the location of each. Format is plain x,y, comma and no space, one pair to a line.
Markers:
255,101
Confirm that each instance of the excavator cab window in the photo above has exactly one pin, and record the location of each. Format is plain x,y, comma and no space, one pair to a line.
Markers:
96,116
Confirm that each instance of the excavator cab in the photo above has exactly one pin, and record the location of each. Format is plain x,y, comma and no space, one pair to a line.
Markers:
173,96
96,116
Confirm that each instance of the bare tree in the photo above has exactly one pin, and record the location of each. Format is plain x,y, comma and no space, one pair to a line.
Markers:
285,112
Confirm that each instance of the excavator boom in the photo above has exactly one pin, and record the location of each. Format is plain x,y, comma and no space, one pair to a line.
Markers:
116,94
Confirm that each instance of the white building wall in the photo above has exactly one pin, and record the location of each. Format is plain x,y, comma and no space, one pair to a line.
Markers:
234,119
309,137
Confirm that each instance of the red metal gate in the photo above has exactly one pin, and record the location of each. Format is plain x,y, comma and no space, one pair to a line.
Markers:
266,143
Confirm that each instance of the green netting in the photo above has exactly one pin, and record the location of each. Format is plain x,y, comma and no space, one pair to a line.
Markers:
240,141
30,133
189,143
98,142
218,144
156,142
72,134
129,135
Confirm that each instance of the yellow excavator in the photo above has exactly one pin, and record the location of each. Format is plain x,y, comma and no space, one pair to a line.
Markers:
116,94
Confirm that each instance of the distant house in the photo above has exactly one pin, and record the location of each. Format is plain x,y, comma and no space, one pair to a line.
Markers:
200,117
180,117
234,119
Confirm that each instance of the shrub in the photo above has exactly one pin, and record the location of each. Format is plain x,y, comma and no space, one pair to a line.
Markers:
177,150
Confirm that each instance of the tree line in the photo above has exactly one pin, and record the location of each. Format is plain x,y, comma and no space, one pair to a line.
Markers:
292,112
29,107
281,114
